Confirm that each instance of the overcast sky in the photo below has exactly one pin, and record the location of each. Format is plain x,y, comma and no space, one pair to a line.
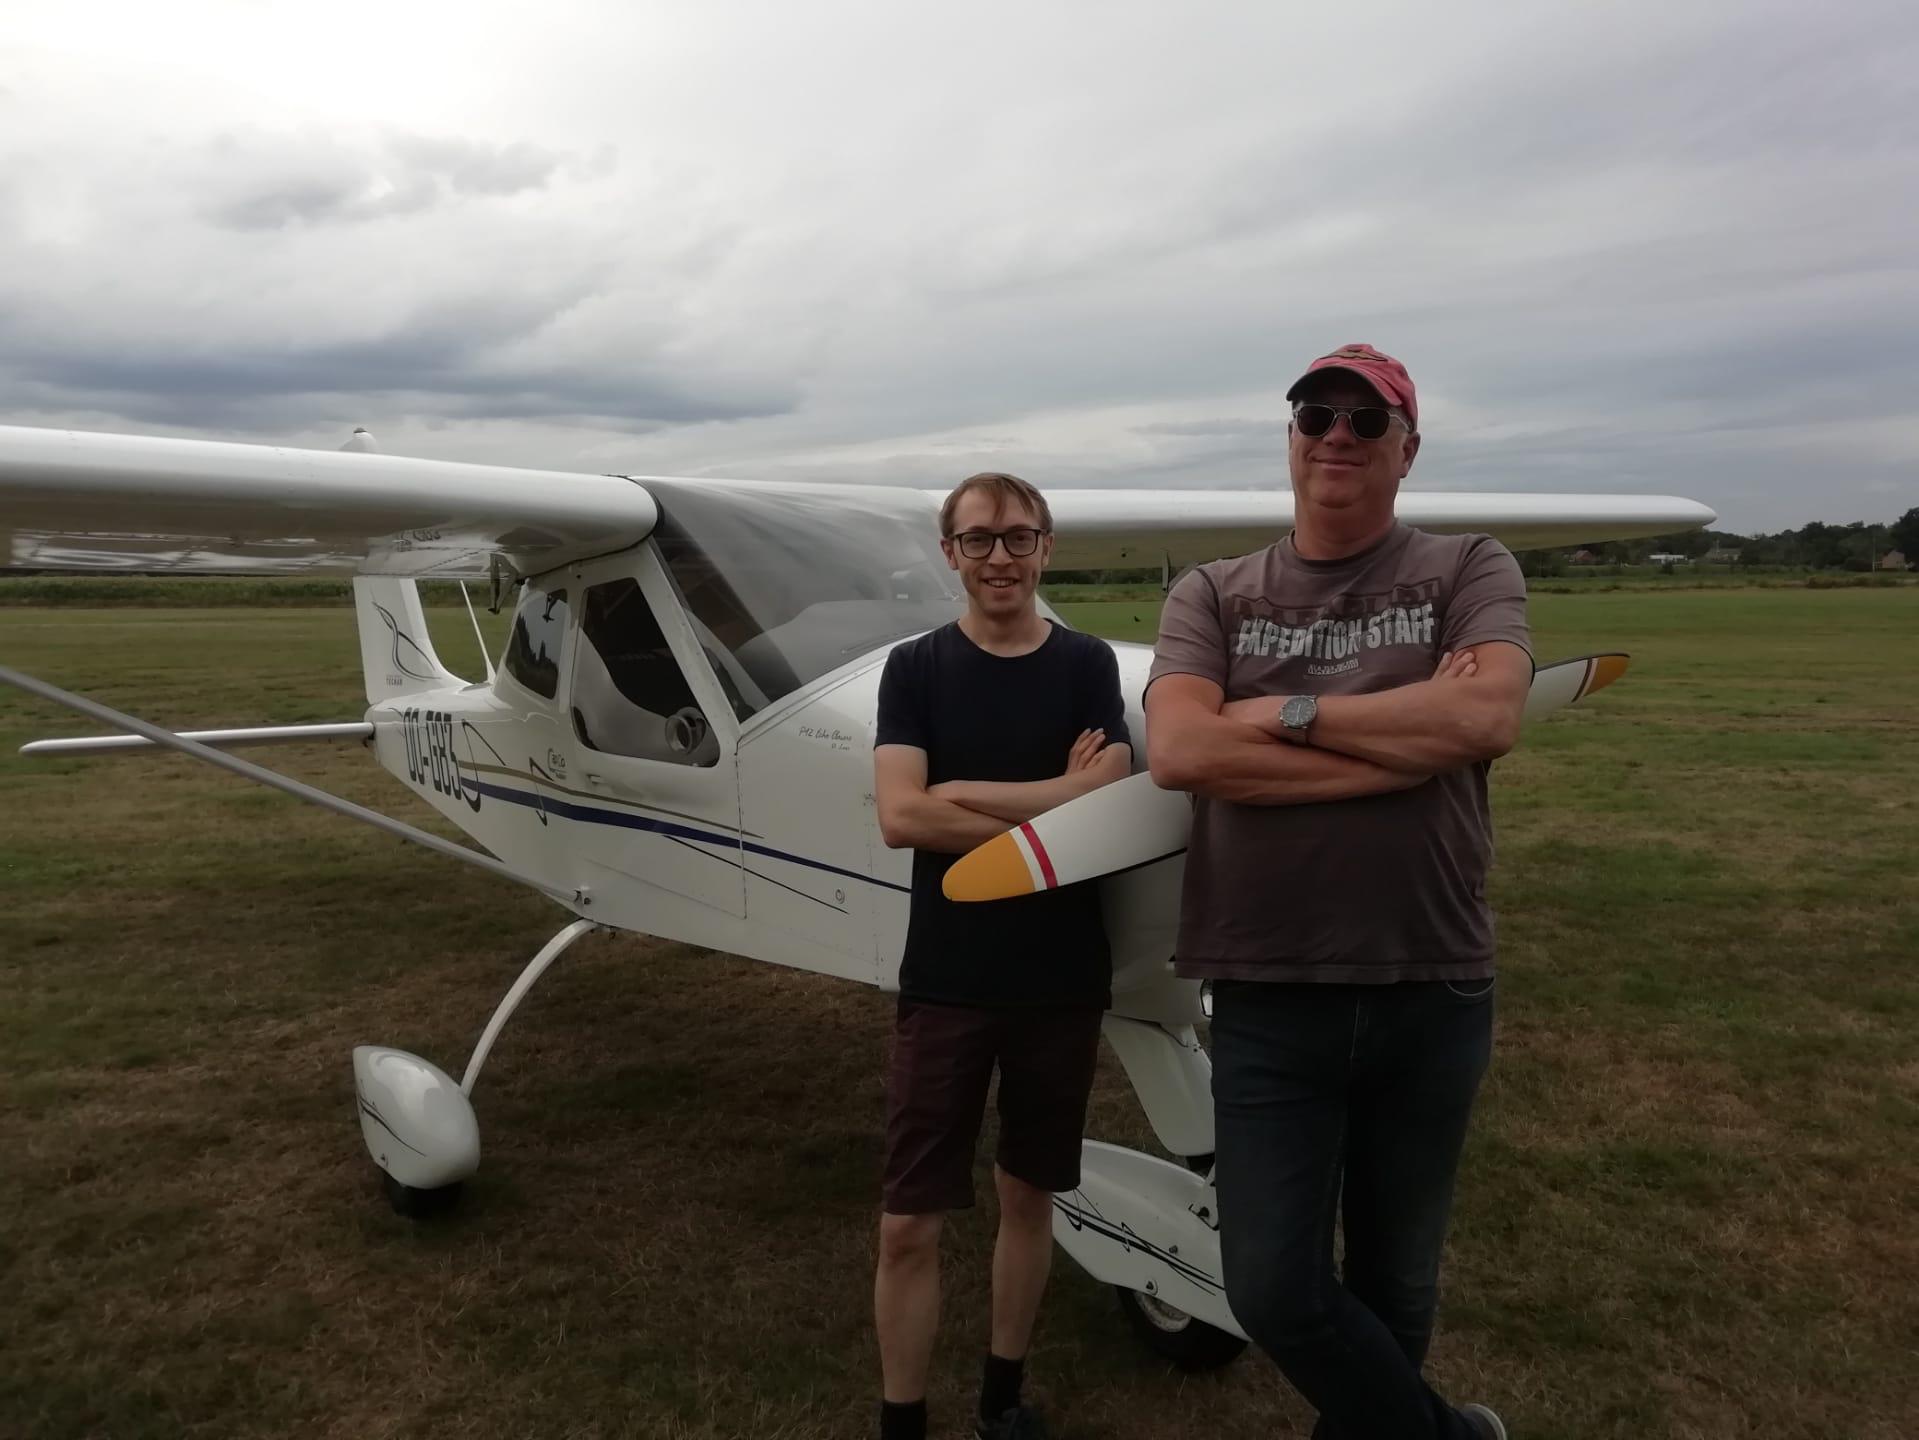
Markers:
1661,247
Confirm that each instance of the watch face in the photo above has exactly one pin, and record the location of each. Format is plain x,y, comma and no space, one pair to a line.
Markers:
1297,713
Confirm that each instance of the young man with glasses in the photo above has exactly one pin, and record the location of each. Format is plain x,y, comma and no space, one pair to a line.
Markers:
1334,702
984,723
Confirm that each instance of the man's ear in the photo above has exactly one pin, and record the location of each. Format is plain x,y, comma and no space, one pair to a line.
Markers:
946,549
1412,451
1046,549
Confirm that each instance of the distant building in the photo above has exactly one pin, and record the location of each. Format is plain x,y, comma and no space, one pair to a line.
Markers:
1663,557
1583,557
1892,560
1721,555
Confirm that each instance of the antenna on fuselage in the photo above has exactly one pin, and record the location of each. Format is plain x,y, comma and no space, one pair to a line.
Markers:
362,440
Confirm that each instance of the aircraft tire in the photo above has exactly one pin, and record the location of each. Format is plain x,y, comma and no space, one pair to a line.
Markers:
419,1204
1176,1336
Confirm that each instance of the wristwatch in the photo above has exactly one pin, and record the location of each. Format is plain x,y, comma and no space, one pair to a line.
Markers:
1296,716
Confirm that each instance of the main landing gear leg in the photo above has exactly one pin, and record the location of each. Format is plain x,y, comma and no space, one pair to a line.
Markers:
419,1126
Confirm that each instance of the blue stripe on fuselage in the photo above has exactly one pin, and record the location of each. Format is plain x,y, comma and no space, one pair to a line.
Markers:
625,820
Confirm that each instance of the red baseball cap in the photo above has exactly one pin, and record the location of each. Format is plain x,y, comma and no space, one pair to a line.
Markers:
1382,372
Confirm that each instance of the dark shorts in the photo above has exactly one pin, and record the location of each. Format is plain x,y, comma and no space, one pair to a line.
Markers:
943,1059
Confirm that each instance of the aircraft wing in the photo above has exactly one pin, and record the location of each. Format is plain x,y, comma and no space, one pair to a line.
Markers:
70,500
1100,528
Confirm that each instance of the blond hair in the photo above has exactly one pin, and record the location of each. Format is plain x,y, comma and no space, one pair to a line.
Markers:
1005,489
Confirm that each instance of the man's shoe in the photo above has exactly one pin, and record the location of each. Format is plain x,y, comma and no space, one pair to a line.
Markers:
1022,1422
1485,1424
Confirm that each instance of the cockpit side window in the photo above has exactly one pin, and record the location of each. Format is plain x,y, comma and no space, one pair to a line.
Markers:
630,696
539,630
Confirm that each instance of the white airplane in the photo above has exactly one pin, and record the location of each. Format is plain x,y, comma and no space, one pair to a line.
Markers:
677,738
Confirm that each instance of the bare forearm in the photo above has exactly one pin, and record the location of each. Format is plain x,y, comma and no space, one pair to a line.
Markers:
1421,729
1227,759
924,821
1006,800
1426,727
1302,775
1015,801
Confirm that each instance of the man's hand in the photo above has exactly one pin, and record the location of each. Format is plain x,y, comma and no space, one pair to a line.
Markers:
1469,711
1090,763
1082,762
1085,751
1196,743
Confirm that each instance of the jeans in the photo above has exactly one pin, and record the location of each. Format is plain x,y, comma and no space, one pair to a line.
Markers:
1372,1085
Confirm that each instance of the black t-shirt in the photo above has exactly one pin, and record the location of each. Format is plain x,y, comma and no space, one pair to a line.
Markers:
980,716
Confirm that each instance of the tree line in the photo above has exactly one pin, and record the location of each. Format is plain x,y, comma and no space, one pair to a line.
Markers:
1814,546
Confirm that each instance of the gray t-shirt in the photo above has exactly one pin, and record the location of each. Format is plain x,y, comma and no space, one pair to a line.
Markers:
1376,889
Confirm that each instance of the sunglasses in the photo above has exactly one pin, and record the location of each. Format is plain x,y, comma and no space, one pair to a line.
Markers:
978,544
1369,422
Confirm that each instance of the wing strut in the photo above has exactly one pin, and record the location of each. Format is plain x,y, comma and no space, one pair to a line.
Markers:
490,677
256,735
295,788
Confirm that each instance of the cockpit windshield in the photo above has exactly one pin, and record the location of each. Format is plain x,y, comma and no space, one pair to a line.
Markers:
785,584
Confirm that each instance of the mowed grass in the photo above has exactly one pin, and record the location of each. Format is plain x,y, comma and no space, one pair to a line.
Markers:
1687,1208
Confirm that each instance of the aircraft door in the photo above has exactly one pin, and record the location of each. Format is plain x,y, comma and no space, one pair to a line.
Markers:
807,805
518,759
654,780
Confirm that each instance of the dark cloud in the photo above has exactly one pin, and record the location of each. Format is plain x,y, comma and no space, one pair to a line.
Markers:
259,182
468,168
443,361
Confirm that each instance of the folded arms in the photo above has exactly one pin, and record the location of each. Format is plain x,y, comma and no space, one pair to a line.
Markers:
1470,710
954,816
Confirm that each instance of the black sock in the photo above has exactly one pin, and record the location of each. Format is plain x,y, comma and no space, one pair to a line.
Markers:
999,1386
903,1422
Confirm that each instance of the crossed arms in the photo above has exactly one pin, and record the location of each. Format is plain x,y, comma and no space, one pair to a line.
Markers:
955,815
1359,745
1468,711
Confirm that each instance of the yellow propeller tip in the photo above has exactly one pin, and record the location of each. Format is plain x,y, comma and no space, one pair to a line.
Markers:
1606,669
996,870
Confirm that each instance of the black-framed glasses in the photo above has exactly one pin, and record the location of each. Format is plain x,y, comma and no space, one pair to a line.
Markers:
1369,422
1020,541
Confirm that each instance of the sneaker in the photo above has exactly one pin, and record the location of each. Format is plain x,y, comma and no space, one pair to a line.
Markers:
1485,1424
1022,1422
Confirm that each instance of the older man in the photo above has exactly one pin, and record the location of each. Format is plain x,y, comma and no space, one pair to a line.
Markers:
1334,702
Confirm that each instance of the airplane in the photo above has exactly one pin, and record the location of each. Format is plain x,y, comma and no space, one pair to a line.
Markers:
675,738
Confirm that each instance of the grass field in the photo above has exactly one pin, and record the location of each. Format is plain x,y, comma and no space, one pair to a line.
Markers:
1688,1205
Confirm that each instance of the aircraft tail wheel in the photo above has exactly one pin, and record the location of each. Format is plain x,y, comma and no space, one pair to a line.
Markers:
418,1204
1176,1336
